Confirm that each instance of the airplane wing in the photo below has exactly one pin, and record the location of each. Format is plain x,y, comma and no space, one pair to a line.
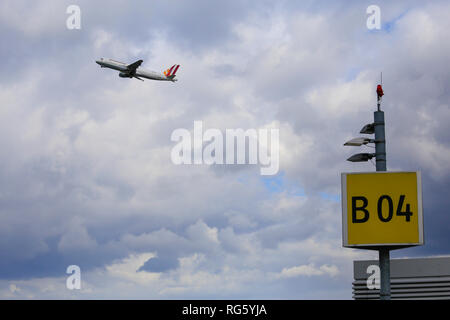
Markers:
132,67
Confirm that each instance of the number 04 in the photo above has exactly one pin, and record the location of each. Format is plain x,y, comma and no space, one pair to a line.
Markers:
399,212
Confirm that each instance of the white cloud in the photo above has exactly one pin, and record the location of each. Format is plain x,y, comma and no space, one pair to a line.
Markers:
128,269
13,288
309,270
34,19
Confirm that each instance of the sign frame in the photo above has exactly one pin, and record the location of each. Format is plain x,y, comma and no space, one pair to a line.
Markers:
381,245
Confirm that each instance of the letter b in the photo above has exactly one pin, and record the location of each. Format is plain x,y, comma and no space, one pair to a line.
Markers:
362,208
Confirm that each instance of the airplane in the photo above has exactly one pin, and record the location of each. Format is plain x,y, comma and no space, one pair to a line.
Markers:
133,70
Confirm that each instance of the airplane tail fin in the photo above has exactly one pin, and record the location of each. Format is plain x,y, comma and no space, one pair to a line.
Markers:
171,72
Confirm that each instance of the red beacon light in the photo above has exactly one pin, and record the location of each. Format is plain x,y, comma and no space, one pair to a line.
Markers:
379,91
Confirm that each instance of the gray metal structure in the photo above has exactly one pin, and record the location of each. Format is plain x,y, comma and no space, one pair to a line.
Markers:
380,154
410,279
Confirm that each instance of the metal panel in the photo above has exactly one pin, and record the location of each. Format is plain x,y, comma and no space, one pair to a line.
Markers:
418,278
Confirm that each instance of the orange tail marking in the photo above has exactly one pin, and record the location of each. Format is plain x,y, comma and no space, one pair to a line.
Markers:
168,72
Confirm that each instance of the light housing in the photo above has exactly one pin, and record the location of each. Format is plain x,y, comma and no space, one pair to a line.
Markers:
368,129
361,157
356,142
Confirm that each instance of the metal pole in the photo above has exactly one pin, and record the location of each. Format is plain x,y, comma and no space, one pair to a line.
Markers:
385,274
380,142
380,153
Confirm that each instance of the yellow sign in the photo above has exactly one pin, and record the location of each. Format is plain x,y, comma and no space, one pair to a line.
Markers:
382,209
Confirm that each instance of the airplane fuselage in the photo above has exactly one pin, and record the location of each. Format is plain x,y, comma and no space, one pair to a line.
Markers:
137,73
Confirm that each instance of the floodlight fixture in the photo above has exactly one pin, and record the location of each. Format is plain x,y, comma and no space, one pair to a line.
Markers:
361,157
356,142
368,129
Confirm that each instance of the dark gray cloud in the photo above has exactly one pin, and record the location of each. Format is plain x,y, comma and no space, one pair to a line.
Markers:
160,264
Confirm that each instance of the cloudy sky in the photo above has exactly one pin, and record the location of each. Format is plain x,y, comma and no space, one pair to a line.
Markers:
86,176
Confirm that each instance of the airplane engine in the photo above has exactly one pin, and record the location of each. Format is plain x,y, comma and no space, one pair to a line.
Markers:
124,75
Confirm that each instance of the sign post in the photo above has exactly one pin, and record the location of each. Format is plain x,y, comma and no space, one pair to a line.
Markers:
381,210
380,154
